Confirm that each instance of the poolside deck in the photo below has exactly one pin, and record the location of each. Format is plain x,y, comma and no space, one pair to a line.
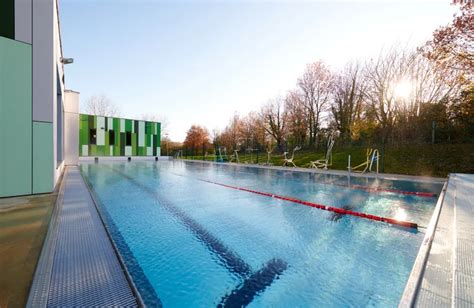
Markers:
447,277
78,265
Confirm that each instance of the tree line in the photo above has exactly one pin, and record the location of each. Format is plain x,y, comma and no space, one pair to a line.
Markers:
423,95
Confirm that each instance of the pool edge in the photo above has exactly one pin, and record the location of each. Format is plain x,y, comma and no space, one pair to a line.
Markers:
414,280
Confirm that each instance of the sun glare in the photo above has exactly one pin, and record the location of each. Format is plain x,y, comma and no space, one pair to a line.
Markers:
401,215
402,89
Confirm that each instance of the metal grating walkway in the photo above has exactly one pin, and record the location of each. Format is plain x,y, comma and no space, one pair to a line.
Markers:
85,271
448,279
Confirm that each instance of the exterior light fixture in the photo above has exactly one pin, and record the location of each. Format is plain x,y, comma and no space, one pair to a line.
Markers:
67,60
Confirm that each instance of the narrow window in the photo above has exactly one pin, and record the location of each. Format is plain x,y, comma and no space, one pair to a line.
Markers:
7,19
128,140
93,136
111,137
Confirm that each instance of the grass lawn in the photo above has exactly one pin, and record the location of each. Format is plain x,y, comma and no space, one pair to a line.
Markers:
23,225
427,160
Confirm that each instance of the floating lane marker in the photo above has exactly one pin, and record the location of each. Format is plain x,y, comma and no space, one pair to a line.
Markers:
320,206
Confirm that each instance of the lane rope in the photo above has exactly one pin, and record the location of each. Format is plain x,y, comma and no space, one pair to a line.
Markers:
392,221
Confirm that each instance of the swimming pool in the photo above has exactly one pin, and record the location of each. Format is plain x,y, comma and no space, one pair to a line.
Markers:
191,243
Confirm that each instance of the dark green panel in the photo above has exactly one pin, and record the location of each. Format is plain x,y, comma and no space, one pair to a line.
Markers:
7,18
148,140
100,150
135,124
122,144
158,133
92,150
154,145
128,125
117,137
134,144
117,127
92,122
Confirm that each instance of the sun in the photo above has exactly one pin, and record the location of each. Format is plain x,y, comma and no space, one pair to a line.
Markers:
402,89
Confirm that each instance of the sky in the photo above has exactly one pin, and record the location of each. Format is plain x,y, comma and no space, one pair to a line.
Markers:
200,62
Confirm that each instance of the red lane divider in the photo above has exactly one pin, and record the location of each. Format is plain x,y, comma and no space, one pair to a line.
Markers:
396,191
322,207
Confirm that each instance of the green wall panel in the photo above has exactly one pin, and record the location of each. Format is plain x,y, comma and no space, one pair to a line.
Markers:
116,127
15,118
128,125
151,133
134,142
43,166
158,134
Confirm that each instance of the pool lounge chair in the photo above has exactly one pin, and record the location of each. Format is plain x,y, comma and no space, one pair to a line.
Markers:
327,161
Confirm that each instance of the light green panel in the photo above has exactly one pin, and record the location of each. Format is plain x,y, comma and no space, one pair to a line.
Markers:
43,157
15,118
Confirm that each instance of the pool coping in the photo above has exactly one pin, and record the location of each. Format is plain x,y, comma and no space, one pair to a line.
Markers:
416,275
447,278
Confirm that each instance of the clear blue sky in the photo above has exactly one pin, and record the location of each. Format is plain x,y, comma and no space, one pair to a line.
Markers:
199,62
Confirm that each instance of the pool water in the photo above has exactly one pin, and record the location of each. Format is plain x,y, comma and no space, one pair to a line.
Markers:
189,243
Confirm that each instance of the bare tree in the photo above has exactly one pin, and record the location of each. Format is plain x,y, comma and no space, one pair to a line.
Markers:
316,88
428,84
231,136
348,100
101,105
252,131
383,76
297,120
274,121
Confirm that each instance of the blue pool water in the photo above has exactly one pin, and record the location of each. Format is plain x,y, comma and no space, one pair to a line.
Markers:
189,243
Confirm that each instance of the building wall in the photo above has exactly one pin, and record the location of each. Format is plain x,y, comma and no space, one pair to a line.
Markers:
15,118
71,128
107,136
31,97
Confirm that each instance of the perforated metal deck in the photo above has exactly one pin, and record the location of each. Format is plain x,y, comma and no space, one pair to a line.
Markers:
84,269
447,280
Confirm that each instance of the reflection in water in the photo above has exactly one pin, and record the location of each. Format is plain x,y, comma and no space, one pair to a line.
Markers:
401,215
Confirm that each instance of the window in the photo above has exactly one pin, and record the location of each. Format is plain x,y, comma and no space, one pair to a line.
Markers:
128,140
111,137
93,136
7,19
